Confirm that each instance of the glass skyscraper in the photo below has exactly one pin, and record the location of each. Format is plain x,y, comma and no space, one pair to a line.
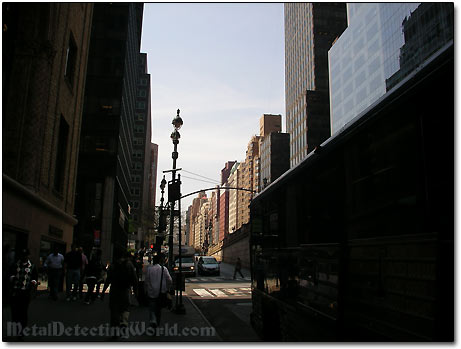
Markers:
310,30
384,43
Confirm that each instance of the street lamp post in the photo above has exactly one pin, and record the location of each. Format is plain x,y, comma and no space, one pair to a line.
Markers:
175,186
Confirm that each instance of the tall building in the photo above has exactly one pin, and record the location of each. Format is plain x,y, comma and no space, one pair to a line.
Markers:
250,176
215,217
193,218
153,175
142,213
223,214
106,157
233,182
384,43
225,172
310,29
45,53
275,157
269,123
274,150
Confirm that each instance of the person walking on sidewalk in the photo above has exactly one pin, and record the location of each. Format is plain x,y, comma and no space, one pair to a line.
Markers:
121,276
73,261
93,275
157,280
54,264
82,272
238,268
23,278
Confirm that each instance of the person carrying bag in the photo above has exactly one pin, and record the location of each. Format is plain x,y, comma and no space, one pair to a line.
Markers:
156,289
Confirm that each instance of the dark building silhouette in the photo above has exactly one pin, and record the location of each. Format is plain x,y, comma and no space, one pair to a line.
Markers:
45,50
104,185
141,207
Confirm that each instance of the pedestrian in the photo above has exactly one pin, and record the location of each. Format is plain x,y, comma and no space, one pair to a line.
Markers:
73,262
238,268
8,261
23,277
82,272
53,265
121,276
157,280
138,265
93,276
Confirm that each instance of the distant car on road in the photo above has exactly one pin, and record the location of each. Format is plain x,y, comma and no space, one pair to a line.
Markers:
187,266
207,265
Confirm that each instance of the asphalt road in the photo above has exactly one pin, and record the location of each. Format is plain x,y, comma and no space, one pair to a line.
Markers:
225,302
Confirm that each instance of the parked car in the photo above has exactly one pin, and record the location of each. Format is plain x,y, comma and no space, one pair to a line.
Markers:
207,265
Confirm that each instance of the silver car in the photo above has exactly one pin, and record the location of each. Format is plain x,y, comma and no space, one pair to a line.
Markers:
207,265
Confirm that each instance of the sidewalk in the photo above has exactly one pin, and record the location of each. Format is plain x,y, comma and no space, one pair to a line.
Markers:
228,270
61,321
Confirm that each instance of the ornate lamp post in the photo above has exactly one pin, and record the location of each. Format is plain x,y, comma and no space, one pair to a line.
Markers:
174,193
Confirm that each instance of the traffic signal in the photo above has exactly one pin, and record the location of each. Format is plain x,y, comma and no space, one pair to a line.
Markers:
151,245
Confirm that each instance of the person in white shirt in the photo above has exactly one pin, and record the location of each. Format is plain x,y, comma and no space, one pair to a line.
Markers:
53,264
156,275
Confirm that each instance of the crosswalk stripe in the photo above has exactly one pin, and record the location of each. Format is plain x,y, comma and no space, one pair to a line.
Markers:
230,290
218,293
202,292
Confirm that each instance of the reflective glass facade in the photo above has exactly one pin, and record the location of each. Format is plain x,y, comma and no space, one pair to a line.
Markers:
310,29
384,42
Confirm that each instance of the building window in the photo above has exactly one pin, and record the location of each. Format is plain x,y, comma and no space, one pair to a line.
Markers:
139,129
61,154
138,154
139,117
143,82
138,141
141,93
140,105
71,60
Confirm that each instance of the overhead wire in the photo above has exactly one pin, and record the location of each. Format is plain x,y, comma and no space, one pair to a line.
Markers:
196,179
196,174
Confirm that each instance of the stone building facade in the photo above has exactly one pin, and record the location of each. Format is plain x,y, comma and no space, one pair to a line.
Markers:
45,53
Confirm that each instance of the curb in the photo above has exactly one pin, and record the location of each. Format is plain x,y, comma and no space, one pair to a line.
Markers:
204,318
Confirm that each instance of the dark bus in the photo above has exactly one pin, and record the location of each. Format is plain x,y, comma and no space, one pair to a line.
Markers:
356,242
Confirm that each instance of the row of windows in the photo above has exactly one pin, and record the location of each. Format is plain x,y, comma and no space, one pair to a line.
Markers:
138,141
138,154
139,129
136,179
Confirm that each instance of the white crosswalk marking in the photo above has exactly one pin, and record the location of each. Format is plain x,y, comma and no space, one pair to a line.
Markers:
222,292
218,293
202,292
230,290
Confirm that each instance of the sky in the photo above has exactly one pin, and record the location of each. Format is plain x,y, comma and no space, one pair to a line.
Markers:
222,65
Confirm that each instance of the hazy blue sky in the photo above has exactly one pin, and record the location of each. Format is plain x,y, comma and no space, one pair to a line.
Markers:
222,65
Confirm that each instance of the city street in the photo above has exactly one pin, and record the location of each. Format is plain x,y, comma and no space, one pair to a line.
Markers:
217,309
225,302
